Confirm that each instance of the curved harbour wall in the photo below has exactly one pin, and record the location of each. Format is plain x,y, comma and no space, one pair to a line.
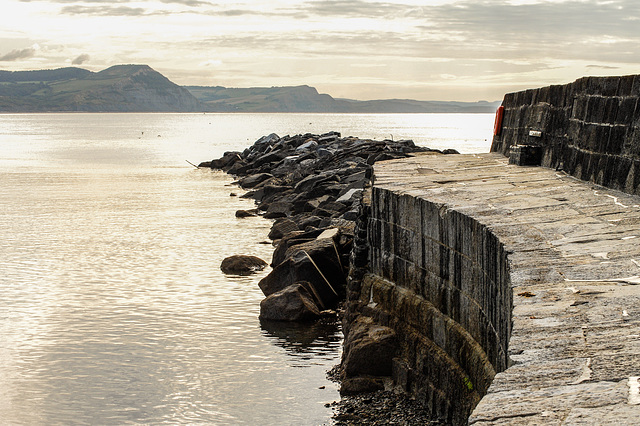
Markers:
439,279
509,292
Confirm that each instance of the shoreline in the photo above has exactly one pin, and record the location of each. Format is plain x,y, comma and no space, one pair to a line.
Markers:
312,186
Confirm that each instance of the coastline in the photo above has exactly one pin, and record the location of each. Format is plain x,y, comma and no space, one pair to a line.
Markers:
312,187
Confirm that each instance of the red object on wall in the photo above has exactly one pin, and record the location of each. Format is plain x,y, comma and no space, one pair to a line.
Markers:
497,126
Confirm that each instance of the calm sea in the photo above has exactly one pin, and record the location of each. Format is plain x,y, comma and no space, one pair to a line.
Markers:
113,309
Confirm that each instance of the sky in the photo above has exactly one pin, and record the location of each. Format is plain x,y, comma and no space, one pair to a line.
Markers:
457,50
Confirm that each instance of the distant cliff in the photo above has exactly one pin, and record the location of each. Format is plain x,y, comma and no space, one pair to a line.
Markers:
121,88
307,99
138,88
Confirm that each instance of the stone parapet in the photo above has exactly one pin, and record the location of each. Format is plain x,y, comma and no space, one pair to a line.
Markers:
589,128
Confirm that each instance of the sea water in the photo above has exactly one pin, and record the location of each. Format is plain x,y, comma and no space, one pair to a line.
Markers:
113,309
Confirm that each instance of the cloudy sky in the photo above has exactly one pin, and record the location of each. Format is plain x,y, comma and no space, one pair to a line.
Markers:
362,49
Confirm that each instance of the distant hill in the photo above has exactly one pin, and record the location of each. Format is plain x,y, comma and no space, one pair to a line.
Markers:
138,88
307,99
263,99
121,88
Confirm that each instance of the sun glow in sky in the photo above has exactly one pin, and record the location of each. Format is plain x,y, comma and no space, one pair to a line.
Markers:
464,50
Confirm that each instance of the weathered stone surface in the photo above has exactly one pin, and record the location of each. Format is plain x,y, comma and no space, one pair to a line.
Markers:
278,209
223,163
314,180
318,265
281,228
293,303
521,269
253,180
370,348
242,265
291,239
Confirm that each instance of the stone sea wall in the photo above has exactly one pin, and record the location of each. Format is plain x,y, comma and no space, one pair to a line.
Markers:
589,128
498,294
439,280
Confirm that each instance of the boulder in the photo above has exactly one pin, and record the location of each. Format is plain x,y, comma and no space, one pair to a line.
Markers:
242,265
300,203
293,303
314,180
307,222
324,153
281,228
369,349
333,206
224,162
289,240
331,189
314,261
272,157
246,213
308,145
347,196
278,209
238,168
253,180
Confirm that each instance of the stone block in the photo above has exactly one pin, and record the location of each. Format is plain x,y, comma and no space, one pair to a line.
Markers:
557,95
612,104
595,109
626,111
609,85
625,85
616,140
635,88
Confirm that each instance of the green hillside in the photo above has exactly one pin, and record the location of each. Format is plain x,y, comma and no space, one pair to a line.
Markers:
121,88
263,99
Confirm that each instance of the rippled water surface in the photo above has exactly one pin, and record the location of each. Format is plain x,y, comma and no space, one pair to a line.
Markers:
113,309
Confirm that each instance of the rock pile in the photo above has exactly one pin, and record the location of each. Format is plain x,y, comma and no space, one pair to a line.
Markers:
311,185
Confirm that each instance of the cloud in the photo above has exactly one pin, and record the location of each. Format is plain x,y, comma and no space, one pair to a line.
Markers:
104,10
17,54
356,8
190,3
80,59
602,67
211,63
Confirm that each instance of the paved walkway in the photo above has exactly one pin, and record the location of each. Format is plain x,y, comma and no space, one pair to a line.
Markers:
575,273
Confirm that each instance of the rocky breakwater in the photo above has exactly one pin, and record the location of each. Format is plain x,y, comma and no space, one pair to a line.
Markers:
311,186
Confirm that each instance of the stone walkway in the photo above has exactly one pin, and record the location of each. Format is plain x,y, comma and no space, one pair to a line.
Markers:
575,272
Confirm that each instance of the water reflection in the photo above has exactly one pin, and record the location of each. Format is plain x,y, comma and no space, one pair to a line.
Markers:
113,309
314,341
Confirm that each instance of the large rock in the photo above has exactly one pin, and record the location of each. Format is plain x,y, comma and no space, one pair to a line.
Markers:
242,265
281,228
316,262
314,180
369,349
246,213
291,239
253,180
277,209
293,303
223,163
